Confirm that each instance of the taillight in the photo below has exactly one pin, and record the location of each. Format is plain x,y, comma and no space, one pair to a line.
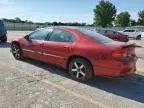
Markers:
120,53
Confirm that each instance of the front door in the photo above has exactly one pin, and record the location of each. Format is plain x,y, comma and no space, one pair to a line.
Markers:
57,49
33,46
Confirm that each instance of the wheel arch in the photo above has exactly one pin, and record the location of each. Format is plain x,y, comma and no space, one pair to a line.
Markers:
139,36
77,56
15,42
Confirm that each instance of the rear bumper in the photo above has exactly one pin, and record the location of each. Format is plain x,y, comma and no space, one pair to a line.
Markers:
118,69
126,40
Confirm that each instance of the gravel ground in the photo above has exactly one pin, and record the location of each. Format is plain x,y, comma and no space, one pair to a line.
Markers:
33,84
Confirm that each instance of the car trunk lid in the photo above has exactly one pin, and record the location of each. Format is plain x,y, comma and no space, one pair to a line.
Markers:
122,49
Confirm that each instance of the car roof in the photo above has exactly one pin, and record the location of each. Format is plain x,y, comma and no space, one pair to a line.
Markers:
70,27
130,29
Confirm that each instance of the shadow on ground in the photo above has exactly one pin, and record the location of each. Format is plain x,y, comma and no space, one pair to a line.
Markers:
131,87
5,45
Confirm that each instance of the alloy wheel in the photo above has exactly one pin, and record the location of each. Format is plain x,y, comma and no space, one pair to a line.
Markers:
16,51
79,70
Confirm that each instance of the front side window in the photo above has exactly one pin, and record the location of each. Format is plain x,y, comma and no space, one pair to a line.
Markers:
61,36
40,34
126,31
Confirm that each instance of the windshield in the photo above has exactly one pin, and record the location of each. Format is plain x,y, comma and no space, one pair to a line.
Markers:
96,36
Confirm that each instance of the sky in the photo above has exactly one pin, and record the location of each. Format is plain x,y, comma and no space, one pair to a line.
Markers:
62,10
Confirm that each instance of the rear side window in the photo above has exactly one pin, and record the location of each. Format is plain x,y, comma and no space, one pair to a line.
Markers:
103,32
40,34
96,36
110,32
61,36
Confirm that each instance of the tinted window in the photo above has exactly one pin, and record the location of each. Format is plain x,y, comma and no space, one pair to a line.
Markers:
129,31
61,36
96,36
40,35
101,32
110,32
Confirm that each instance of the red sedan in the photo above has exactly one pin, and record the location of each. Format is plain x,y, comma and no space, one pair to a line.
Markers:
83,52
117,36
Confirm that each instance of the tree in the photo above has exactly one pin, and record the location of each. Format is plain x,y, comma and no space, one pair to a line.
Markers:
141,18
18,19
133,23
104,14
123,19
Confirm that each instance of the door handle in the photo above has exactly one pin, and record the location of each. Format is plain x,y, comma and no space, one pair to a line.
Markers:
66,47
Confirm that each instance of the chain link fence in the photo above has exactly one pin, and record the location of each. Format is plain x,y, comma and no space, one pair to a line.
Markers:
31,27
20,26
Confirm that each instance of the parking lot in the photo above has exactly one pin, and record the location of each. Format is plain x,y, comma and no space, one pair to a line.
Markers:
33,84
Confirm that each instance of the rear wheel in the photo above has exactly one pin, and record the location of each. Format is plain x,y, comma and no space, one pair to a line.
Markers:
16,51
115,39
80,69
138,37
4,39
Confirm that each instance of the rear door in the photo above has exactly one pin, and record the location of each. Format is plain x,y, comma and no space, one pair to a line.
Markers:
57,48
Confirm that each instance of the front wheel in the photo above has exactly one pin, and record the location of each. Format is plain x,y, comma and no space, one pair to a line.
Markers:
115,39
16,51
80,69
138,37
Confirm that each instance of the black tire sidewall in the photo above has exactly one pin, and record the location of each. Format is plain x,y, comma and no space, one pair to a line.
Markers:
138,37
89,70
116,39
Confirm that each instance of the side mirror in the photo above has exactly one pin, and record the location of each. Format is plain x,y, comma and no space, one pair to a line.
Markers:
27,37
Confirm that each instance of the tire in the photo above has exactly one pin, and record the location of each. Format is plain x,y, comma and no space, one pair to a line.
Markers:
127,40
138,37
115,39
4,39
16,51
80,69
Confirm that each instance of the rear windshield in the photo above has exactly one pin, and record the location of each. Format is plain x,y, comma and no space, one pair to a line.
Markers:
99,37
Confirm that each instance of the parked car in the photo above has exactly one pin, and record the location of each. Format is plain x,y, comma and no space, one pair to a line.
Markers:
117,36
133,33
142,35
3,32
84,53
